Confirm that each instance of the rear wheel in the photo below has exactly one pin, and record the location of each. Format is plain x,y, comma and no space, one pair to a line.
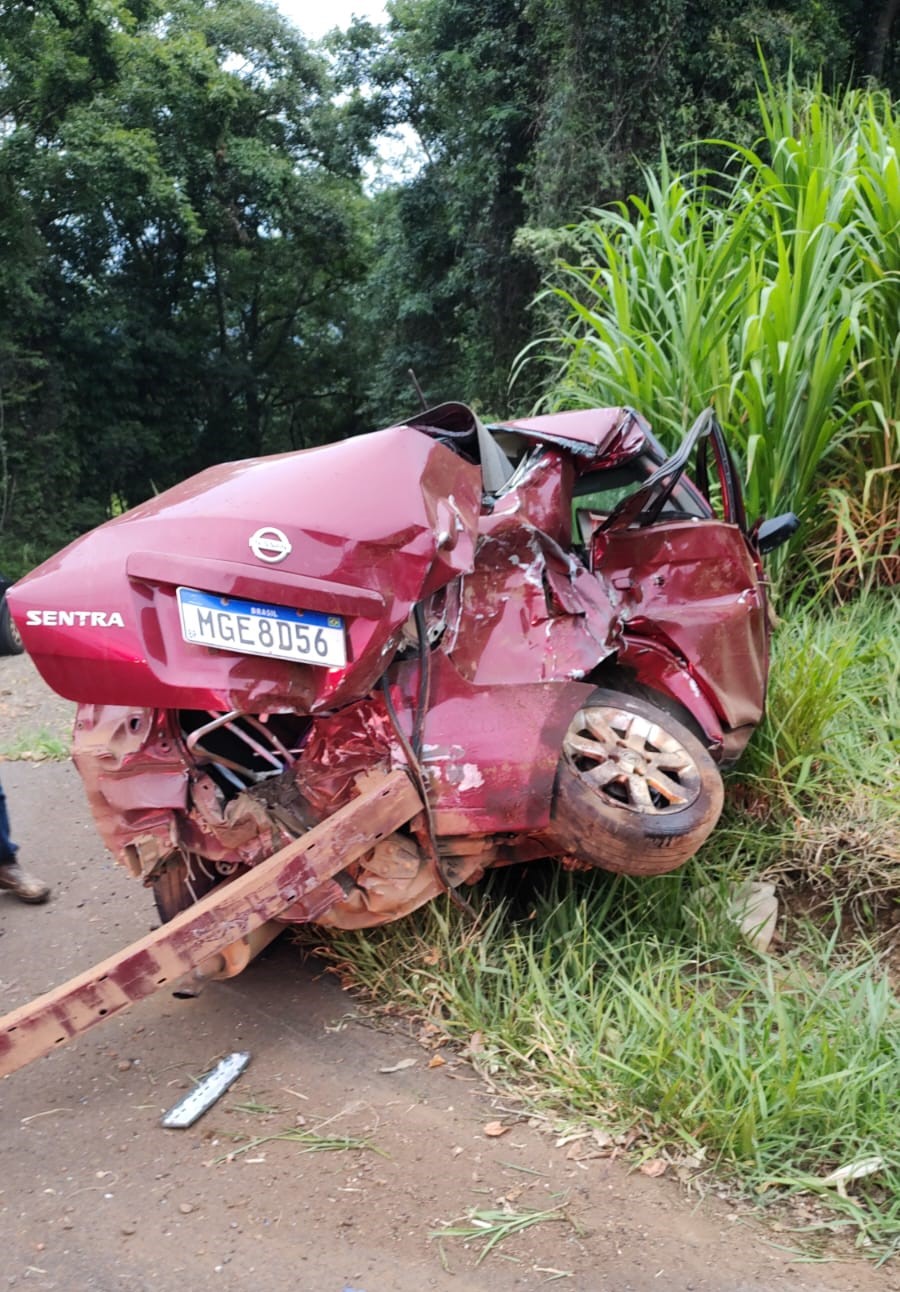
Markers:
178,886
636,791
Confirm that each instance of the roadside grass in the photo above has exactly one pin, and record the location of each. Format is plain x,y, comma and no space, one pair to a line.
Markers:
815,802
308,1140
36,747
606,999
606,1004
491,1227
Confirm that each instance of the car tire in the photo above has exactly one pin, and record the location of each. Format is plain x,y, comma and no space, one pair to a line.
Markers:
10,640
174,891
636,792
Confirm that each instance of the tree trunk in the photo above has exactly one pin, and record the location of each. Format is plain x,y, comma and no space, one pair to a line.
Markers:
879,38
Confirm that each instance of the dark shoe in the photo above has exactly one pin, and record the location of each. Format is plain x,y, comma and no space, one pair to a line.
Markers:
28,888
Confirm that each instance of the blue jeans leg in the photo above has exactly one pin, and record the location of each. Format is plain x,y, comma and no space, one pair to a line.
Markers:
8,849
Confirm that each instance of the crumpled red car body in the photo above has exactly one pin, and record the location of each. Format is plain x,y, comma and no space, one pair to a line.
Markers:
471,593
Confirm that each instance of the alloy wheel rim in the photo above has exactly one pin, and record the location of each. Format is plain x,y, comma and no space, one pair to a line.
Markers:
631,761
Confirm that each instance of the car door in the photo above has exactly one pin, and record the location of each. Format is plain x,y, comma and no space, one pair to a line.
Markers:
684,576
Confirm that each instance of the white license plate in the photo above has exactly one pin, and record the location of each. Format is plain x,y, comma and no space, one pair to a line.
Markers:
255,628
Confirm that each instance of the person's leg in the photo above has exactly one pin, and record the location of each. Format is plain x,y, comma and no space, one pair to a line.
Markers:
15,880
8,849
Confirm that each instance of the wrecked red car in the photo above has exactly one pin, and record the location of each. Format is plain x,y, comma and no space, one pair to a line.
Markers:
557,631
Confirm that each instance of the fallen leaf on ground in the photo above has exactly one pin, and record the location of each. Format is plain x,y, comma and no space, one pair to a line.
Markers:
656,1166
493,1129
436,1061
691,1161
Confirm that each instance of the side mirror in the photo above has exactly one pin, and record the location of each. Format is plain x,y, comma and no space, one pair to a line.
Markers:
772,533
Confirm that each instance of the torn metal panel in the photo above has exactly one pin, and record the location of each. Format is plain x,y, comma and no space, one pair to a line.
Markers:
693,587
595,435
122,754
528,612
538,495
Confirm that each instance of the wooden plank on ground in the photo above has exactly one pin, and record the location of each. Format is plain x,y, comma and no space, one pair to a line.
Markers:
217,920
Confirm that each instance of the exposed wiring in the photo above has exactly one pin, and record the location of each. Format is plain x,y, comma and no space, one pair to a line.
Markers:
418,775
424,695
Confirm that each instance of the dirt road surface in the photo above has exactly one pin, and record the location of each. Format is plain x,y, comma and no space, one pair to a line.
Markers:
95,1196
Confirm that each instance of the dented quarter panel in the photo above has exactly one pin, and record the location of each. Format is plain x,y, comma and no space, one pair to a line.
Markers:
541,499
661,669
490,752
528,612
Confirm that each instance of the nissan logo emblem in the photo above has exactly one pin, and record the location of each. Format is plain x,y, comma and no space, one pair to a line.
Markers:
271,545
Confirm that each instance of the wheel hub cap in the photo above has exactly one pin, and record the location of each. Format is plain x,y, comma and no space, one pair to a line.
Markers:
631,760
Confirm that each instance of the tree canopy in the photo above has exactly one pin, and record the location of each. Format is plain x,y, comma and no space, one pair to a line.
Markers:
192,267
184,234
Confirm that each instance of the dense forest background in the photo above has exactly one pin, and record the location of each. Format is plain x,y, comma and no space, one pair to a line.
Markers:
195,267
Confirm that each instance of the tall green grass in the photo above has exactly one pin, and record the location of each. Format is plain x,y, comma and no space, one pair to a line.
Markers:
770,290
815,801
832,727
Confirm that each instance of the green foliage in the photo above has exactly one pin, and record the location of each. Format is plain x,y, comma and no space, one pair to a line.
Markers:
621,77
183,235
834,704
449,292
814,800
528,112
770,292
36,747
